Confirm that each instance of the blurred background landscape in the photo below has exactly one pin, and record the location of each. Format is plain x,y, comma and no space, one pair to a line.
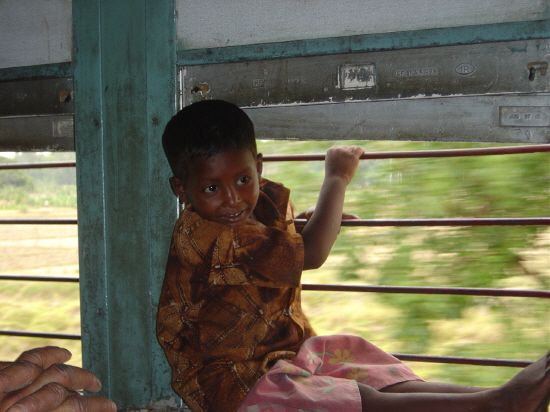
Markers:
515,257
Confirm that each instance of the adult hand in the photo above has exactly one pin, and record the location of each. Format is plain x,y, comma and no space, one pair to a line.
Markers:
39,381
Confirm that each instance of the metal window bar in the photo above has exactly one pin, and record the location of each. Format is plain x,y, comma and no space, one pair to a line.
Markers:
41,165
39,334
40,278
366,222
487,151
38,221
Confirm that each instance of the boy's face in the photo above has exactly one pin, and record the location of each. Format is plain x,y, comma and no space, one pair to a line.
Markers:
223,188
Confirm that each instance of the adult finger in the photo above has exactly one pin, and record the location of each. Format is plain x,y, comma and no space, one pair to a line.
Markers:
17,375
46,356
56,398
70,377
48,397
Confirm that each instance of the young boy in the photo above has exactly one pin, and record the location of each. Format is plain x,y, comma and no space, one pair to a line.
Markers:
230,319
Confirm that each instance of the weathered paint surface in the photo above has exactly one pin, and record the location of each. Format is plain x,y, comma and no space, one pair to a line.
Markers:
220,23
486,68
124,76
35,32
402,40
499,118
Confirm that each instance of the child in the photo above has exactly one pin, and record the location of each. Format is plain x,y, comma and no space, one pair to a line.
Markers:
230,319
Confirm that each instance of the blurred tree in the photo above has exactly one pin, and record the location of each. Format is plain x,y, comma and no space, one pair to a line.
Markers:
457,187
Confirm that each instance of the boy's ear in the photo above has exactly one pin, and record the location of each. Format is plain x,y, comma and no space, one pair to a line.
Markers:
259,163
178,189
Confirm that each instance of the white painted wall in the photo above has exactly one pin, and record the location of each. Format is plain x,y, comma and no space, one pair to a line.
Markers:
35,32
220,23
40,31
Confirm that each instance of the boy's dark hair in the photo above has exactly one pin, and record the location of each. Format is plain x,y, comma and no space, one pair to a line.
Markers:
204,129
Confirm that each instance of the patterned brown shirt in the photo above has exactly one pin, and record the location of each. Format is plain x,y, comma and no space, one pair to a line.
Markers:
230,303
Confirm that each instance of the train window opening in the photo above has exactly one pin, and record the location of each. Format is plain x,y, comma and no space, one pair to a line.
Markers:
40,302
513,257
492,257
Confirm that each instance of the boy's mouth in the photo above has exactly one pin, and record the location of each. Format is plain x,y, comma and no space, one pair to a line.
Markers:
233,217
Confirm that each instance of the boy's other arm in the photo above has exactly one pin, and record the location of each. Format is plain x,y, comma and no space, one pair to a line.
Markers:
321,231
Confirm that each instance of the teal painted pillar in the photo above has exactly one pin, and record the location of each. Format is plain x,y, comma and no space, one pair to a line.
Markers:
125,88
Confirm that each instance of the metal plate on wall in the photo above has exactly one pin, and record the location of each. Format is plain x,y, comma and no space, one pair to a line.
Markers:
36,97
37,133
501,118
494,92
491,68
36,115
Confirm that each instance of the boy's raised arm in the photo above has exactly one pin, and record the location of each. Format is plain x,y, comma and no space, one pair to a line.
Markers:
321,231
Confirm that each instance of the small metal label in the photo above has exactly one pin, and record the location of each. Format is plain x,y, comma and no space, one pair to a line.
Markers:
295,80
357,76
258,83
464,69
525,116
417,72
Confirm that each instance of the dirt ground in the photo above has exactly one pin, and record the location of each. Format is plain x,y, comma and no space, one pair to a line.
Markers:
38,248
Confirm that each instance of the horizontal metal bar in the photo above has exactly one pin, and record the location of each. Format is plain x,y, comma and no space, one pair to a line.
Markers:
520,221
463,361
429,290
40,278
460,118
49,133
422,153
527,221
42,165
386,77
43,97
38,221
320,157
403,357
42,71
40,335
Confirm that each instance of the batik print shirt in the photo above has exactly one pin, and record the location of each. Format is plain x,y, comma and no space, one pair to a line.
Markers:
230,302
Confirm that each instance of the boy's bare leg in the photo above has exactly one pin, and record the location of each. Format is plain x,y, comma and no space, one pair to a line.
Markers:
528,391
437,387
431,387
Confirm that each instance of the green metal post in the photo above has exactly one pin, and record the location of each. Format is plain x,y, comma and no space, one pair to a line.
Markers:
125,75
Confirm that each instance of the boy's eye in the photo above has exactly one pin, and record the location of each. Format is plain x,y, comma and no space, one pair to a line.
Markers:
244,180
210,189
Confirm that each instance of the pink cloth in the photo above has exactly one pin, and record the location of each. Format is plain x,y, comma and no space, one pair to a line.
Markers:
323,377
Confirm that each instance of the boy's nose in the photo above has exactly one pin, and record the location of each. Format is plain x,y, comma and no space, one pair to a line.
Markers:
231,196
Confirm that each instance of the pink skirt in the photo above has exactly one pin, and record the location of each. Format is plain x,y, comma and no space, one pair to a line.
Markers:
323,377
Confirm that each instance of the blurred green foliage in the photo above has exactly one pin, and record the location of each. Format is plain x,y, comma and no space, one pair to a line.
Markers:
27,188
472,256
